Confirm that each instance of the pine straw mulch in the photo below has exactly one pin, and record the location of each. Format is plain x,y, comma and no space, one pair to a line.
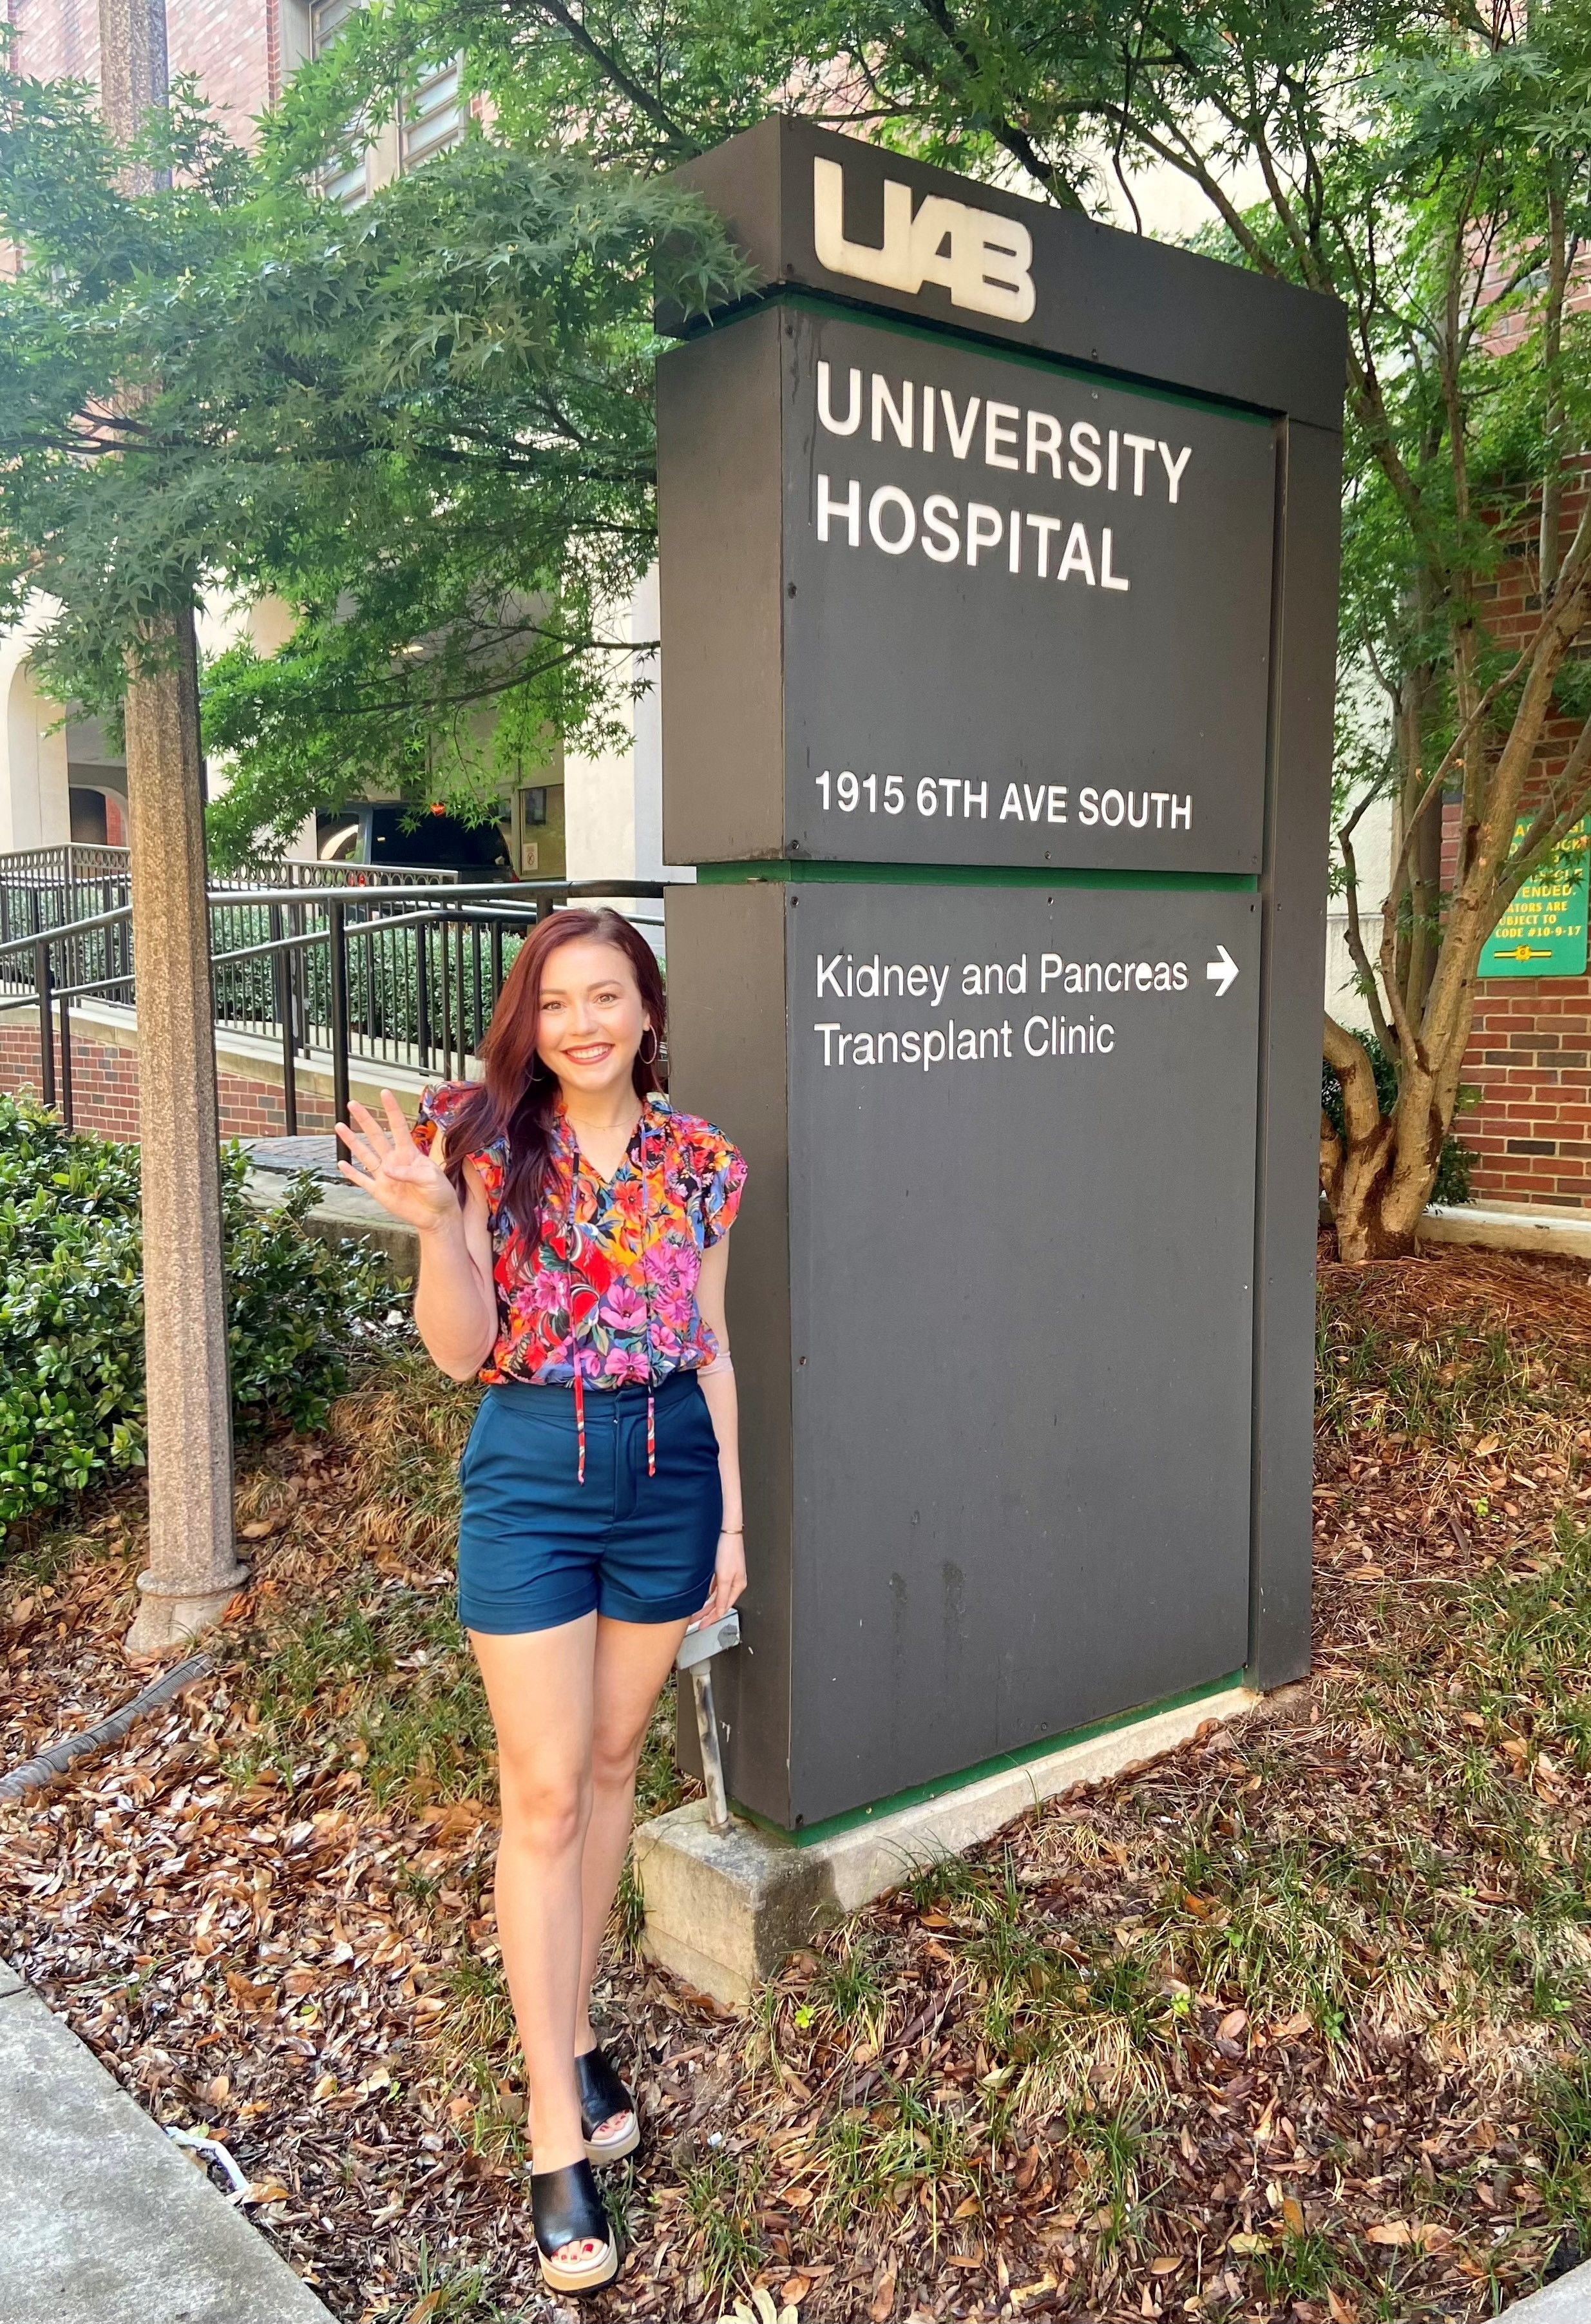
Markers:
1289,2024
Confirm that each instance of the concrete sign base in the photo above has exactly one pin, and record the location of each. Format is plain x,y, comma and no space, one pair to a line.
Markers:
725,1910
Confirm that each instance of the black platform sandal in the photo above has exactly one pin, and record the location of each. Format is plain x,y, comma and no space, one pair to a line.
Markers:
565,2208
601,2095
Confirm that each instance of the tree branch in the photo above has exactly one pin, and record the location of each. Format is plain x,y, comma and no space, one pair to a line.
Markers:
1016,141
609,65
1355,933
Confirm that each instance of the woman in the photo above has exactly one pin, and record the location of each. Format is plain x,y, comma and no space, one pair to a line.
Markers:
573,1249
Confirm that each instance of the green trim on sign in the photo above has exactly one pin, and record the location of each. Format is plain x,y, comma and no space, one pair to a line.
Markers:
1003,1762
928,327
783,869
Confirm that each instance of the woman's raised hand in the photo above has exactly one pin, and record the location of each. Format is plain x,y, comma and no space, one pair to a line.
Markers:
389,1165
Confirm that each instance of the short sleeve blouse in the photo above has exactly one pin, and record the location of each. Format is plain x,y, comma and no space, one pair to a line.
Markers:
606,1285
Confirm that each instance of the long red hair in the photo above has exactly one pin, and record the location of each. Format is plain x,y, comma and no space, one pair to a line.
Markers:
519,1097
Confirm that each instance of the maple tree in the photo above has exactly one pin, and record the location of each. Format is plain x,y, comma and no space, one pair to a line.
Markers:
1427,163
427,426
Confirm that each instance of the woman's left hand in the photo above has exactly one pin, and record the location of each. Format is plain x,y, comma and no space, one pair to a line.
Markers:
729,1577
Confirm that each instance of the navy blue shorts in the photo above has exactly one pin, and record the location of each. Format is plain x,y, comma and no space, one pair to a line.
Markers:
537,1547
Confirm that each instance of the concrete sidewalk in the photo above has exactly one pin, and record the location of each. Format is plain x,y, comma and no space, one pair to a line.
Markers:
1567,2301
103,2219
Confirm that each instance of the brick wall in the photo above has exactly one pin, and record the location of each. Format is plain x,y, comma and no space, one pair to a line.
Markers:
1529,1050
228,44
104,1085
1530,1057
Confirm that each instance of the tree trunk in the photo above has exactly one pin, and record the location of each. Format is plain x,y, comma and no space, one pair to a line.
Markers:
1377,1176
193,1568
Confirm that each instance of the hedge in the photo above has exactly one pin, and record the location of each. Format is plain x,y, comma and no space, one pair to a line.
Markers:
71,1309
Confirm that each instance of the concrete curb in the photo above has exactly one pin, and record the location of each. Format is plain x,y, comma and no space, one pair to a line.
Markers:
105,2220
1567,1235
344,1214
1567,2301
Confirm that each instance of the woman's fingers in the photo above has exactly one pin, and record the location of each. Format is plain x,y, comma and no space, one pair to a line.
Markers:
359,1177
366,1121
379,1146
360,1148
396,1122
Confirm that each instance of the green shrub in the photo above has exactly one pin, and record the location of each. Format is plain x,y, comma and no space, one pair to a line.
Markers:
71,1309
1455,1163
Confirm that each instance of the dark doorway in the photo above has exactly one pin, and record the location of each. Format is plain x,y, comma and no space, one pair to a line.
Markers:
435,843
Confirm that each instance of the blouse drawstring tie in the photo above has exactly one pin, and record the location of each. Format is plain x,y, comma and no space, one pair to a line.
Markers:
646,1294
570,1234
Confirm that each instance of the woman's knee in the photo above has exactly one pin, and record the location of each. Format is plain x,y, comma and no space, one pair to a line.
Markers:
547,1813
615,1754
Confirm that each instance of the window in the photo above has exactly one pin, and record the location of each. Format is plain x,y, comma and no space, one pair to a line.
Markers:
433,118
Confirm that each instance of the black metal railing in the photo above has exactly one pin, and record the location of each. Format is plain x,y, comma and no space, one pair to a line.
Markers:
391,975
77,883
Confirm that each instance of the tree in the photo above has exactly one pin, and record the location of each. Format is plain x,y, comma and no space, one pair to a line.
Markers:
1426,164
426,425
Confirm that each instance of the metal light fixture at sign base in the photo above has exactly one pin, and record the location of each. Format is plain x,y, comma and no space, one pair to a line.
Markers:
696,1650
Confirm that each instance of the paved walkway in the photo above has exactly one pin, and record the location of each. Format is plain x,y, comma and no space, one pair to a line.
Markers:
343,1211
286,1154
103,2219
1567,2301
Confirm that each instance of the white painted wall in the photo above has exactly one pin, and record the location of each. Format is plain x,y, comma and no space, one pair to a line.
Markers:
267,624
614,799
34,809
1373,855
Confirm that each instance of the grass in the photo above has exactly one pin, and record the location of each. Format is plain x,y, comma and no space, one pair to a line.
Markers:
720,2200
906,2153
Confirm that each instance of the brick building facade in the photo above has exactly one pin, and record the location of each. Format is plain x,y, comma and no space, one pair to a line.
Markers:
1529,1061
241,53
248,1072
239,50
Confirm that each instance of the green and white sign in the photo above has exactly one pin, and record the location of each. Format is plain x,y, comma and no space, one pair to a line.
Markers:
1543,931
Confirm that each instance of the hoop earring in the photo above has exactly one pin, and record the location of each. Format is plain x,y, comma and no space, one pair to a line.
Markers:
641,1052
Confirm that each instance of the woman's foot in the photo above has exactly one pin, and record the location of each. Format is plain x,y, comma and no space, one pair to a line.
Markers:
574,2240
608,2117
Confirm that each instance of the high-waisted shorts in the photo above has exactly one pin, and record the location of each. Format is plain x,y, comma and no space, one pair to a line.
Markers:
538,1548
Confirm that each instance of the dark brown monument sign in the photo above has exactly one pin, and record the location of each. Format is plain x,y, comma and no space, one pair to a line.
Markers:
998,569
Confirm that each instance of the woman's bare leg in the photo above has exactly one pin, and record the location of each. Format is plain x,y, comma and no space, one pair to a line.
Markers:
540,1686
633,1661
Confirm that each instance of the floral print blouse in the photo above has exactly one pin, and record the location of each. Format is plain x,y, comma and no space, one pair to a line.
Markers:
604,1295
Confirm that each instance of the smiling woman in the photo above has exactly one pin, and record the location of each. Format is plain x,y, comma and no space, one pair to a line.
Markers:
573,1253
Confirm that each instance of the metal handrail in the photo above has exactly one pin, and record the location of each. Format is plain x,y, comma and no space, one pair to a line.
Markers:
72,862
69,928
233,896
496,911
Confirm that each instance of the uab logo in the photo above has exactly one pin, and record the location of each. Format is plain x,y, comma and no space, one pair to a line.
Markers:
982,258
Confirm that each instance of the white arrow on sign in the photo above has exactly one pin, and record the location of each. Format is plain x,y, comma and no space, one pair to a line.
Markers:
1221,972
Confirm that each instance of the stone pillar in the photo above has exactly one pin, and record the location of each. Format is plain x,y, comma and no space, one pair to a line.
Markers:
193,1568
131,73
